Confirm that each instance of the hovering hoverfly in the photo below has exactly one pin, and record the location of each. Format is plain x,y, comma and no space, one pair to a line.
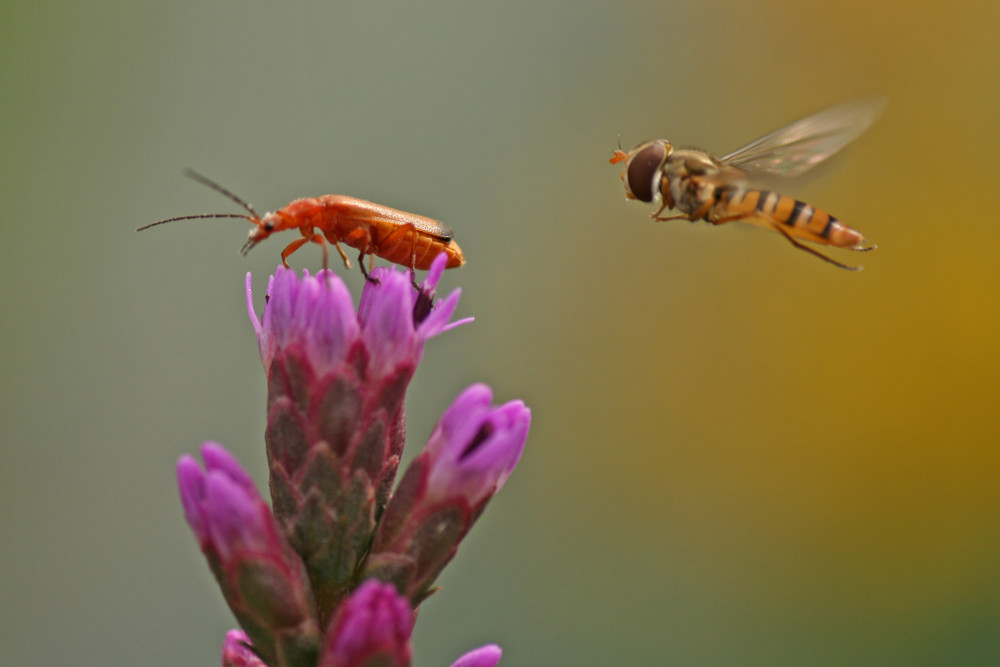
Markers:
719,190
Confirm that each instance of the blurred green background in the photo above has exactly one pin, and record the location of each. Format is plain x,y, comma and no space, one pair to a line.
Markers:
740,454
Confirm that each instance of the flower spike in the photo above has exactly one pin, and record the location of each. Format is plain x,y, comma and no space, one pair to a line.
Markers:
333,577
336,428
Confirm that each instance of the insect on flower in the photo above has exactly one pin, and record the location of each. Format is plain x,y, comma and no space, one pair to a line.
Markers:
719,190
400,237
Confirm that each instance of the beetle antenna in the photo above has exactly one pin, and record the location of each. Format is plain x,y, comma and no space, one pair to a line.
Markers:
204,180
199,217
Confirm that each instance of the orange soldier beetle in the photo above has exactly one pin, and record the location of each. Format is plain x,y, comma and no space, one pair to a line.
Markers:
719,190
402,238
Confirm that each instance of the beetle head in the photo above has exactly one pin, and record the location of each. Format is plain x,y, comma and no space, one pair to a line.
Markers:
263,227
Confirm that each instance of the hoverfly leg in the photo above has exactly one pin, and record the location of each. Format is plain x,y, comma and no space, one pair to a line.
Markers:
777,227
690,217
730,218
656,216
682,216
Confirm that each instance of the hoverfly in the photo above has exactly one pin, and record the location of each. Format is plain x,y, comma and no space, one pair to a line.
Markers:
719,190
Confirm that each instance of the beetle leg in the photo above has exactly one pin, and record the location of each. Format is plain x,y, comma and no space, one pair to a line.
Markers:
321,241
395,237
343,255
362,238
330,238
413,259
371,264
292,247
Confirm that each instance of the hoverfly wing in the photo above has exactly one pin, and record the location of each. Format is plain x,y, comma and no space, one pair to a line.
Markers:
802,145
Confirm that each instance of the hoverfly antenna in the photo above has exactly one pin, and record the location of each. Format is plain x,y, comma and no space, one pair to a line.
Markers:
198,217
619,155
204,180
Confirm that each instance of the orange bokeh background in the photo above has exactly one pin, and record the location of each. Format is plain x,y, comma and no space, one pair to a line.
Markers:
740,454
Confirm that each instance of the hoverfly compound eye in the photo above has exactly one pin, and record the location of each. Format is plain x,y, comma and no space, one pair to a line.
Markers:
644,170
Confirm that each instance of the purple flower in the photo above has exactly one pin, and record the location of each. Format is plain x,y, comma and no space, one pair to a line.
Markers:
316,313
484,656
396,320
469,456
475,447
260,575
372,627
337,380
236,651
336,428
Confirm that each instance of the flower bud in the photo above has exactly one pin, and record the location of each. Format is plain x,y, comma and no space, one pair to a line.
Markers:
469,456
372,628
261,576
236,651
484,656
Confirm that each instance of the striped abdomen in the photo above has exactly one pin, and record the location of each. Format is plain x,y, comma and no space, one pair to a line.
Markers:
799,219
